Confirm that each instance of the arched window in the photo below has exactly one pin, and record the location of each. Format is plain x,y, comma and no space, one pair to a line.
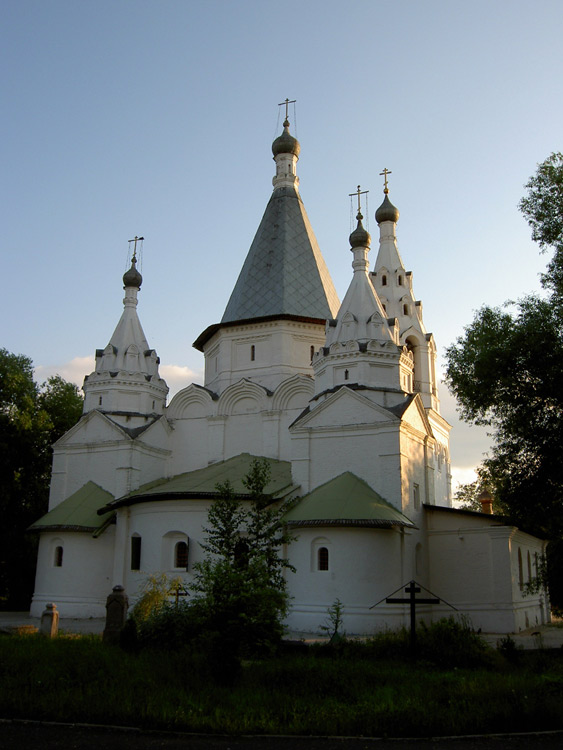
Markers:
136,552
252,353
405,309
346,374
529,566
58,558
181,552
400,281
322,558
520,571
384,280
312,352
100,401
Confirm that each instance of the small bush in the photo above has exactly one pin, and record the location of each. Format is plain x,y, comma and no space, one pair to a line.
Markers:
333,623
452,643
508,648
172,627
155,595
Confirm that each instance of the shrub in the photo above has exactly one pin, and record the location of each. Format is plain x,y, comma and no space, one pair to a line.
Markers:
155,594
452,643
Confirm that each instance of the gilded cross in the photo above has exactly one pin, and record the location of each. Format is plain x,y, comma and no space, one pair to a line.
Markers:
385,173
358,193
135,240
287,103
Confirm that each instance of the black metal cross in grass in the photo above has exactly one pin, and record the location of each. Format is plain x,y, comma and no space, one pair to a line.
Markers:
412,589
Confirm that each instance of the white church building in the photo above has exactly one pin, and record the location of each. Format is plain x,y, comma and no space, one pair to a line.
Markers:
340,397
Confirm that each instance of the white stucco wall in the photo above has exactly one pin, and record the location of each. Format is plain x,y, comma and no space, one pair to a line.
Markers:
474,566
364,566
97,450
80,586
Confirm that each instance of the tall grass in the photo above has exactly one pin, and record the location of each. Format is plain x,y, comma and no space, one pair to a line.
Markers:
346,691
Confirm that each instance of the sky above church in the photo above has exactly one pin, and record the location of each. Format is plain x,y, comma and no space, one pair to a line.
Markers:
155,118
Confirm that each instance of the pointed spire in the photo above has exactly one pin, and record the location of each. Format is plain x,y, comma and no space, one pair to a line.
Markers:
284,272
361,317
126,379
361,343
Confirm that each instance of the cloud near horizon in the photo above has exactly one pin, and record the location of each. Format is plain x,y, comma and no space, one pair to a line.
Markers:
176,376
74,371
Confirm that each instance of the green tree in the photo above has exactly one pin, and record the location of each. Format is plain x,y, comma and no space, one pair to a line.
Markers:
506,372
241,592
32,417
543,209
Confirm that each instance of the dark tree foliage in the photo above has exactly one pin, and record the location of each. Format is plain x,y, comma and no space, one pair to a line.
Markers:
241,591
506,372
543,209
32,417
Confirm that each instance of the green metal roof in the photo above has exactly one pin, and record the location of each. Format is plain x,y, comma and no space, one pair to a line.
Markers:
345,501
78,512
202,483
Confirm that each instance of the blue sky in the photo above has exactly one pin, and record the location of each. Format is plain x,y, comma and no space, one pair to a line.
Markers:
126,117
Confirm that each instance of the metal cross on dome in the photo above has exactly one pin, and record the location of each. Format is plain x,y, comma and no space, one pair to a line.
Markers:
386,184
135,240
287,103
358,193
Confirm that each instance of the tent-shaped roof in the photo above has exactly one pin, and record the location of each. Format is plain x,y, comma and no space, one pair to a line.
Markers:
78,512
345,500
202,483
284,272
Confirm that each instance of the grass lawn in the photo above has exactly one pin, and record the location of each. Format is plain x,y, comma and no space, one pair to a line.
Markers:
355,690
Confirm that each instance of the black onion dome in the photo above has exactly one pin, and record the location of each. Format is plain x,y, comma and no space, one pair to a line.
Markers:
286,143
360,237
132,277
387,212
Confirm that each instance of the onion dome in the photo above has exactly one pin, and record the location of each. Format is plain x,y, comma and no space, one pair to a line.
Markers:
132,277
286,143
360,237
387,212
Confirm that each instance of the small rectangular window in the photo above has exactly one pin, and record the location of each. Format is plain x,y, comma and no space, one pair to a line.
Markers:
58,557
135,553
322,558
416,496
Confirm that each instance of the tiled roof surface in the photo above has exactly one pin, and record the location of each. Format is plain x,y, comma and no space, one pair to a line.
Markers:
284,271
